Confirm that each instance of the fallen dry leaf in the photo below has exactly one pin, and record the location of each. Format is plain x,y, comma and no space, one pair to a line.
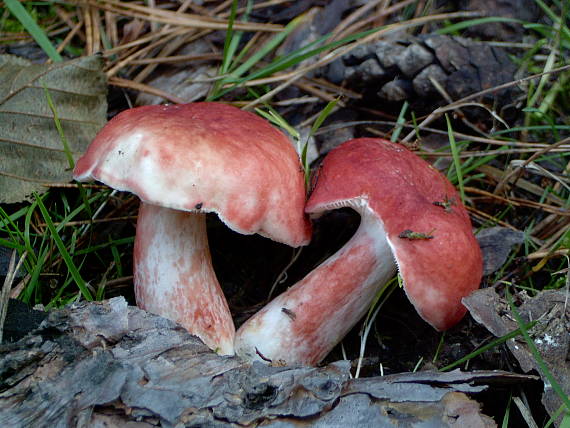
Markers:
31,150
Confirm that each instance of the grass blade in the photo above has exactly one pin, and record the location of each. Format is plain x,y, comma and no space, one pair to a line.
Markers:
229,44
268,47
400,122
63,251
59,128
536,353
479,21
486,347
456,160
33,28
294,58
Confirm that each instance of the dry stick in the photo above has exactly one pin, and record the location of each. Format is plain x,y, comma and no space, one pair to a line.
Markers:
517,202
356,15
439,111
360,25
11,37
537,169
119,281
124,83
488,217
176,59
96,26
496,174
225,6
168,48
544,227
468,153
111,27
335,89
419,8
125,61
551,240
199,10
65,17
91,221
75,186
28,179
70,36
282,277
267,96
517,171
153,25
170,17
139,41
464,119
548,254
458,135
88,30
296,101
525,413
311,89
5,292
17,290
481,153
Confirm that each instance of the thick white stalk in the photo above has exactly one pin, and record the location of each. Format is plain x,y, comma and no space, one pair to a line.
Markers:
174,277
302,325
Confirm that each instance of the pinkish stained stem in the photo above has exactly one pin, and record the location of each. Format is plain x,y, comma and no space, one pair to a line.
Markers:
174,277
302,325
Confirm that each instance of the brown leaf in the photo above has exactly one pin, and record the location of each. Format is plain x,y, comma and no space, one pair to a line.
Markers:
31,151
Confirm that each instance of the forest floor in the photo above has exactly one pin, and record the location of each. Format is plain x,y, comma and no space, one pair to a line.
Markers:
483,96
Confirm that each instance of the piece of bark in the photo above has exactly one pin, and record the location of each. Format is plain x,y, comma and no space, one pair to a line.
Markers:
496,244
551,334
109,365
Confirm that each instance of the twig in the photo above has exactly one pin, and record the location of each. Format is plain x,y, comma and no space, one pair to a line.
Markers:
124,83
441,110
519,169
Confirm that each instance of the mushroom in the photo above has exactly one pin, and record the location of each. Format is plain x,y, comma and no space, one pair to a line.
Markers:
411,217
184,161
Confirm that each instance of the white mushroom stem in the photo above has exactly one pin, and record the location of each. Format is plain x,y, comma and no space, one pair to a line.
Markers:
302,325
174,276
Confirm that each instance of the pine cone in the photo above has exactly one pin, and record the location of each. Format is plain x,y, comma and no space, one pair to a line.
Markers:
403,70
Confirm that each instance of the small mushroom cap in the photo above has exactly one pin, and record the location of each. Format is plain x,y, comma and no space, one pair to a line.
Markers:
426,224
204,157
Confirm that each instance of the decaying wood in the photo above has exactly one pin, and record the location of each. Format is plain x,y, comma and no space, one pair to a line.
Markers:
551,336
107,364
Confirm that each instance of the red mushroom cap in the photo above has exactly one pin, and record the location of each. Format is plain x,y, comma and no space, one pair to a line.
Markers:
426,224
204,157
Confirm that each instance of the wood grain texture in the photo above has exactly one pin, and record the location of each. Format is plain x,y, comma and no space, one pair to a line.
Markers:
107,364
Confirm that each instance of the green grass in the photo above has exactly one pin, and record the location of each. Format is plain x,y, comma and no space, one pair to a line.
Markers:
491,345
72,268
235,79
32,27
456,162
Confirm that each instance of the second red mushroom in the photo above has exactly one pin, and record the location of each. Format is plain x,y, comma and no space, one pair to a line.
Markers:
411,218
